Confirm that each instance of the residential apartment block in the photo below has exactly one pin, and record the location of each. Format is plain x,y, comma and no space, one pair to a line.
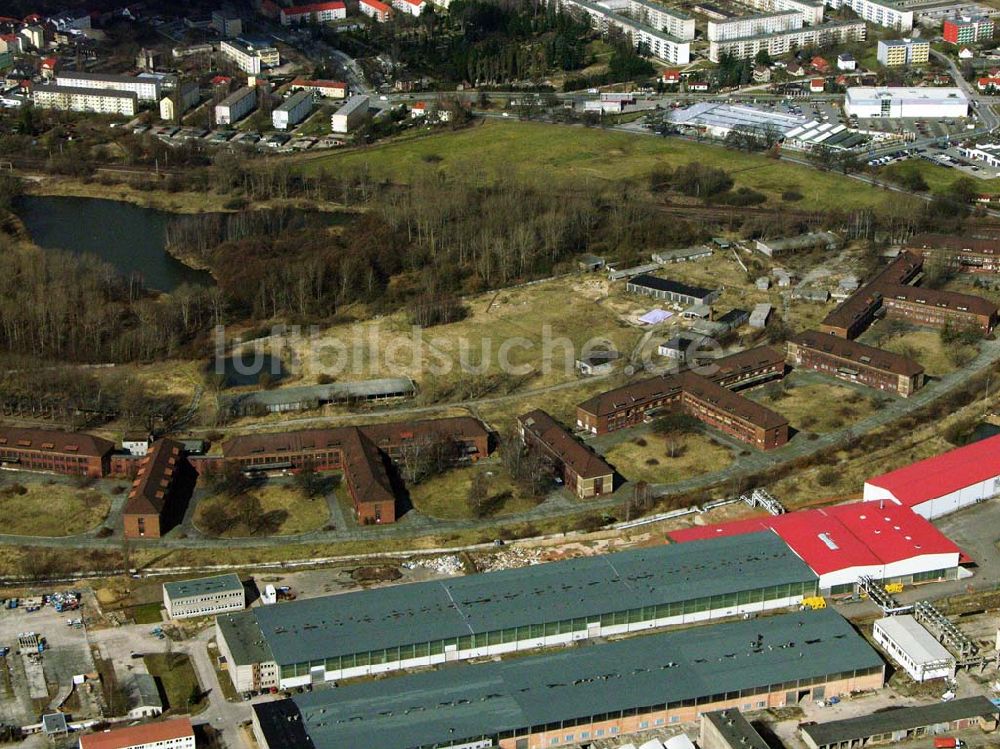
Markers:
410,7
782,42
74,99
811,10
967,29
249,56
350,115
894,53
581,470
662,45
668,20
375,9
145,88
292,110
879,12
206,596
855,362
743,26
313,13
236,106
71,453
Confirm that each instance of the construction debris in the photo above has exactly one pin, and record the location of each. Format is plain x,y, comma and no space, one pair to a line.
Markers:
446,565
509,558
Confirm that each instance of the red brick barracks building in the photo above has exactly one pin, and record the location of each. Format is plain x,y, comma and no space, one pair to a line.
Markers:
582,470
855,362
888,293
71,453
962,254
362,453
156,498
708,398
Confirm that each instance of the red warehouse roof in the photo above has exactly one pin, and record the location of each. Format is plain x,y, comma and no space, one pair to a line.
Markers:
147,733
859,534
943,474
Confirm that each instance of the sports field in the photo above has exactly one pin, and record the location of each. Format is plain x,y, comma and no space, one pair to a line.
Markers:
566,155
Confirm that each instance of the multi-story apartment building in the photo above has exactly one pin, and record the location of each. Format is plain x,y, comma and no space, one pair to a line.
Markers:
879,12
292,110
145,88
855,362
668,20
811,10
743,26
894,53
782,42
313,13
350,115
249,56
605,16
937,309
410,7
967,29
375,9
75,99
236,106
227,23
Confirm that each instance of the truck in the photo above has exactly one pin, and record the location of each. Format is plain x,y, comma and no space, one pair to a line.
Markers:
947,742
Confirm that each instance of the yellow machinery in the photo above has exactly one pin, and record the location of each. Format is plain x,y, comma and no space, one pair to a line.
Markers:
814,603
894,587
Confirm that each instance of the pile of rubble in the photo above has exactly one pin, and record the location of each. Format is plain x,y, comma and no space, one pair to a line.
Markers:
509,558
446,565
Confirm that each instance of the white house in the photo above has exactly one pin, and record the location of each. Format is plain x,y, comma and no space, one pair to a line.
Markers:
375,9
411,7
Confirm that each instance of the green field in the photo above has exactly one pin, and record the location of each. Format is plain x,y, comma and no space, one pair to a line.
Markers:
176,674
938,178
574,156
50,508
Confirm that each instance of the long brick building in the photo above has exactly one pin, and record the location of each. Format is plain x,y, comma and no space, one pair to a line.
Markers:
73,453
582,470
361,453
156,500
855,362
853,316
959,253
936,309
704,392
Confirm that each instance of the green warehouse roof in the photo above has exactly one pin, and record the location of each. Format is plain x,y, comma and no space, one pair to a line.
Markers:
468,701
203,586
358,622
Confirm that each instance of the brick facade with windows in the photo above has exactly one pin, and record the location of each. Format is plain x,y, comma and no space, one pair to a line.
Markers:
71,453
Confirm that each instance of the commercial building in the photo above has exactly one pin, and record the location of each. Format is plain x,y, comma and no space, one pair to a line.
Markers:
71,453
963,254
375,9
176,733
206,596
409,7
630,404
728,729
843,543
855,314
752,25
313,13
292,110
894,53
908,103
671,291
902,723
718,119
938,309
825,240
326,89
361,452
252,57
421,624
782,42
906,642
967,29
942,484
72,99
581,470
153,504
180,101
145,88
886,13
236,106
855,362
585,693
227,23
661,44
354,112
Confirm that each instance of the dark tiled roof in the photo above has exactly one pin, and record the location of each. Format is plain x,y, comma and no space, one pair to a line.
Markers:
153,482
858,353
943,299
55,441
583,461
665,284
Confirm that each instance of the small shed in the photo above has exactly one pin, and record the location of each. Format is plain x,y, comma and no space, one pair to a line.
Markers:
591,263
597,363
54,725
760,315
763,283
698,312
655,316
